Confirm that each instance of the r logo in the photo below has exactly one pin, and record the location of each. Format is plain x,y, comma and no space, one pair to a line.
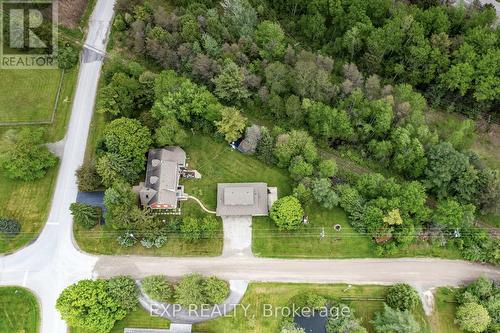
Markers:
28,33
17,31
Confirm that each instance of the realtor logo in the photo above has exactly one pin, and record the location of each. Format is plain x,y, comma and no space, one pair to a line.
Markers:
28,35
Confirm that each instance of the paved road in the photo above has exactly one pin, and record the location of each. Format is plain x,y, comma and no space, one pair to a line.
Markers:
52,262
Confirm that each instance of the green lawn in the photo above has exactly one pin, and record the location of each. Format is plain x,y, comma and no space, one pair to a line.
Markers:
136,319
102,240
443,318
281,294
218,163
307,242
29,202
19,311
268,241
28,95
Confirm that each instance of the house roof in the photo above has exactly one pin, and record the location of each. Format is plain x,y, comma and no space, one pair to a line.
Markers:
241,199
162,176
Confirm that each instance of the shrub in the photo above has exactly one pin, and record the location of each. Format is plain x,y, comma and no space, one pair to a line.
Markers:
87,178
291,327
157,287
287,213
473,317
125,291
85,215
310,300
191,228
402,296
67,57
126,240
9,227
196,289
216,290
190,290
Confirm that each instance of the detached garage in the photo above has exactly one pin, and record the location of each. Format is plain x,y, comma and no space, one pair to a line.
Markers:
244,199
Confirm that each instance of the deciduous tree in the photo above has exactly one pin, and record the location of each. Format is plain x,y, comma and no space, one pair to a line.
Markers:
232,123
287,213
89,305
27,158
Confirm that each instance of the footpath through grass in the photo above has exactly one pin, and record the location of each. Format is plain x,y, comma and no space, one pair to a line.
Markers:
19,311
136,319
275,295
443,318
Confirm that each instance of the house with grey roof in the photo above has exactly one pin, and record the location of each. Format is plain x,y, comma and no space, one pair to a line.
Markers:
161,189
244,199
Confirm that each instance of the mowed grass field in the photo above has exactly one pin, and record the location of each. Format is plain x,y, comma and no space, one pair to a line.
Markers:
136,319
29,202
19,311
28,95
275,295
317,239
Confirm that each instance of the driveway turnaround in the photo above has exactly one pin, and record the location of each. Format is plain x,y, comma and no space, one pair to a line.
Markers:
176,314
52,262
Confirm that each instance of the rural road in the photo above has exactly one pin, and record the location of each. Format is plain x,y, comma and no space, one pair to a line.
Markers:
425,273
52,262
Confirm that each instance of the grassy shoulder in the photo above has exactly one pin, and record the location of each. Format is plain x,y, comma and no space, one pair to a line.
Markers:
19,311
139,318
29,202
443,317
368,299
102,239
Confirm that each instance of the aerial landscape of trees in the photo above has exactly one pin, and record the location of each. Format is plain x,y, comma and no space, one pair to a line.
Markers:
357,78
